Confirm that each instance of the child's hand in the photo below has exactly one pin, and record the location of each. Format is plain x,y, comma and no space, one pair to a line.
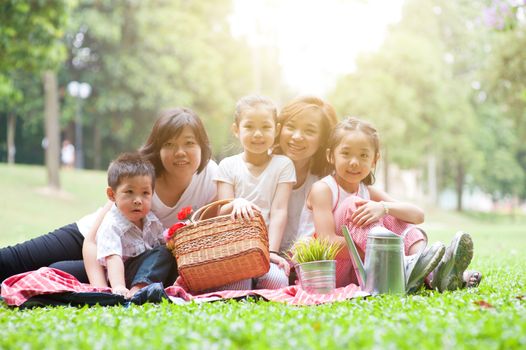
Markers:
243,209
121,290
367,212
281,262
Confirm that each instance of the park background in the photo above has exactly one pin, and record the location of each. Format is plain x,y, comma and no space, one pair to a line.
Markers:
444,82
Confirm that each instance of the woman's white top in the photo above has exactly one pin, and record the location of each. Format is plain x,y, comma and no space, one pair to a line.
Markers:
202,190
299,218
261,189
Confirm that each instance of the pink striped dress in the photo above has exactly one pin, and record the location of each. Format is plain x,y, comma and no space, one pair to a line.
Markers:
343,208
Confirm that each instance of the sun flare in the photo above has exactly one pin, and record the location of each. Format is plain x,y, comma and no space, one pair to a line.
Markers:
316,41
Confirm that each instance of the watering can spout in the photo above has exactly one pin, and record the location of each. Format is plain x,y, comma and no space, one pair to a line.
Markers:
355,257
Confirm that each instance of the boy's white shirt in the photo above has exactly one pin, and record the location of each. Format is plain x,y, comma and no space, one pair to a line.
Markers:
259,190
119,236
202,190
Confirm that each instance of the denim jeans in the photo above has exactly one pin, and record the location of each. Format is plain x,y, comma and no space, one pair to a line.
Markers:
155,265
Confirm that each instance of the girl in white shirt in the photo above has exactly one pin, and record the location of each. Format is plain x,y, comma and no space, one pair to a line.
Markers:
259,180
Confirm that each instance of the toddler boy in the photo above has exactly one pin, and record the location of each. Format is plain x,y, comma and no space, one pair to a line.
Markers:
129,230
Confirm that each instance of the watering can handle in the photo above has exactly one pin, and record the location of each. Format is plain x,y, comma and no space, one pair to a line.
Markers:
357,261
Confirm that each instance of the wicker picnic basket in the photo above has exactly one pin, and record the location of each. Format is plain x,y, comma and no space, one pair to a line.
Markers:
213,252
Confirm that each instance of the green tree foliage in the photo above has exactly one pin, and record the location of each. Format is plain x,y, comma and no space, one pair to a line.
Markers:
375,93
30,41
138,56
501,173
26,105
30,37
142,57
504,81
418,88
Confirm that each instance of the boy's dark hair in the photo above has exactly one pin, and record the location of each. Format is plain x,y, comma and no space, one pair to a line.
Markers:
129,165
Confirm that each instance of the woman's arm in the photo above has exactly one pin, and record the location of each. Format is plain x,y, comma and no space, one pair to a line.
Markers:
278,215
278,221
94,270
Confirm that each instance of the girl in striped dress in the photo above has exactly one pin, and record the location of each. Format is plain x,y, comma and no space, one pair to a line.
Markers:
346,197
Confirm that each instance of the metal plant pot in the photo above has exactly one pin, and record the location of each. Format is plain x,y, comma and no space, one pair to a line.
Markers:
317,276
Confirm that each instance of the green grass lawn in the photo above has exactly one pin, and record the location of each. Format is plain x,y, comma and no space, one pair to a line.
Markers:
492,316
29,211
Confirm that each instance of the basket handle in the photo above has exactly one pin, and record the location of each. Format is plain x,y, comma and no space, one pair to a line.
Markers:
205,209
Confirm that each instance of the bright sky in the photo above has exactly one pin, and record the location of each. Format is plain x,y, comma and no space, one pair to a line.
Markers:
317,40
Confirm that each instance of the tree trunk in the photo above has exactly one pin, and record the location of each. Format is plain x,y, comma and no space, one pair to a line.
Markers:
51,112
460,185
432,184
79,138
97,146
386,171
11,129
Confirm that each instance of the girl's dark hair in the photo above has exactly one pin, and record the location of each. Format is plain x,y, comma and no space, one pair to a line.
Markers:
354,124
304,107
170,124
129,165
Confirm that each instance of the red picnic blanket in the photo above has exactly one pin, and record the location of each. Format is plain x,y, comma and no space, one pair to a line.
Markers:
19,288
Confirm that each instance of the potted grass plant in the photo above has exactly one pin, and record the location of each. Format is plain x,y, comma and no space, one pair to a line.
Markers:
315,264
